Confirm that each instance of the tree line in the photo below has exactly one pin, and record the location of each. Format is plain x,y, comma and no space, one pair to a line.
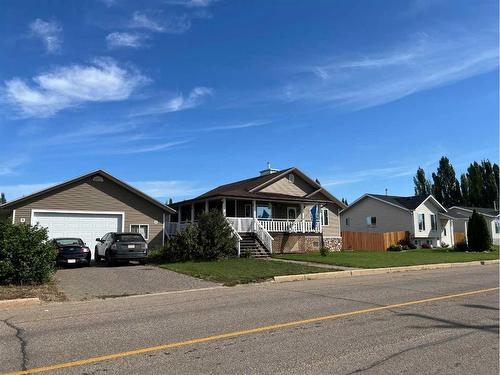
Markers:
478,187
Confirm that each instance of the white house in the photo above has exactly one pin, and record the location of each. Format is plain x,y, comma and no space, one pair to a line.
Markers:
461,217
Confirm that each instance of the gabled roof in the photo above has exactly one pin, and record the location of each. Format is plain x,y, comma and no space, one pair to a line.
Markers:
405,203
467,211
99,172
251,188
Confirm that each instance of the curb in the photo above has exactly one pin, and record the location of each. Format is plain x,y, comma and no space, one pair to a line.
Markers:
378,271
18,302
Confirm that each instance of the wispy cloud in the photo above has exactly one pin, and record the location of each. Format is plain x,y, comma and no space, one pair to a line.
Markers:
49,32
192,3
178,103
64,87
369,174
20,190
172,24
141,149
243,125
373,79
10,166
119,39
168,189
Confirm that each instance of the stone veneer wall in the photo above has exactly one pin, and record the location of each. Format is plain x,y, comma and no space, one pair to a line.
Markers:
296,242
333,243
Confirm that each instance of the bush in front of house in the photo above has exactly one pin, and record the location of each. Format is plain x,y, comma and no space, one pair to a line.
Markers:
395,247
324,251
406,244
426,246
184,245
26,254
216,237
461,246
478,235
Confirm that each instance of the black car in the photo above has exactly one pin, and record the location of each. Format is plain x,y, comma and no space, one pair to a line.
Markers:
114,247
72,251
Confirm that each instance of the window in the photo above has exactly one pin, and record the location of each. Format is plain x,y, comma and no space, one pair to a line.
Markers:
347,221
497,226
421,222
371,221
143,229
291,178
291,213
325,220
248,210
434,224
444,231
264,212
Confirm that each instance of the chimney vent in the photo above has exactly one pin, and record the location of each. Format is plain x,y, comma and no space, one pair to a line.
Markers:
269,170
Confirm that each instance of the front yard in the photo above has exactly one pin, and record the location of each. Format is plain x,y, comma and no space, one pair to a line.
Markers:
239,271
373,259
47,292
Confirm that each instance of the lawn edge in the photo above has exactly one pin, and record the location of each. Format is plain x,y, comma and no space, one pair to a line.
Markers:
375,271
19,302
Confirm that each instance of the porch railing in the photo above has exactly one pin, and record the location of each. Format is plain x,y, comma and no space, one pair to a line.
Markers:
264,236
289,226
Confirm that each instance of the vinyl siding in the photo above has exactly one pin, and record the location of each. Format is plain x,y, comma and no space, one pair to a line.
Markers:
299,188
389,218
99,196
428,208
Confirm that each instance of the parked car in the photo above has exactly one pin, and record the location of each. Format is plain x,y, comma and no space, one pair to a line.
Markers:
114,247
72,251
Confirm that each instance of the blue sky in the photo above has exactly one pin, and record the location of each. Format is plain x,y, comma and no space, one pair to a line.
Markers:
179,96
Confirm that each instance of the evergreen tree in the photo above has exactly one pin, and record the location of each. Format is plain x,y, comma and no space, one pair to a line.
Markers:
446,188
2,198
475,177
170,201
490,193
422,184
464,187
345,201
478,235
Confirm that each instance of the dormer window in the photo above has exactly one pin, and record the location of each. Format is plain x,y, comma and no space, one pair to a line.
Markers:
291,178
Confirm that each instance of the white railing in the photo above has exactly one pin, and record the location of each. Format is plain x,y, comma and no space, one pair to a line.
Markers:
237,235
242,224
264,236
289,226
174,227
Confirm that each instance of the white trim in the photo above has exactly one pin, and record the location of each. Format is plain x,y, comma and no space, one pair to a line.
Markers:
332,237
145,225
35,210
13,216
327,215
435,201
163,231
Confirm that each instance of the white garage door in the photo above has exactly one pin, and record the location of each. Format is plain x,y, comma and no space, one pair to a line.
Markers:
88,227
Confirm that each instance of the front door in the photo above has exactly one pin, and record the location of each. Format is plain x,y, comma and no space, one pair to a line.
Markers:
248,210
291,213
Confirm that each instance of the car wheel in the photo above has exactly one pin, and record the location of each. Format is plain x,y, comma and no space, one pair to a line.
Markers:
89,258
142,262
97,257
109,261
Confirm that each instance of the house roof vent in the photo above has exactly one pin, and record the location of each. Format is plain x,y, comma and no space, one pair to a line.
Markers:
97,179
268,170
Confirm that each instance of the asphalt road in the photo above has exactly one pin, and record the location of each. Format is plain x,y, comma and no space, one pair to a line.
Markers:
364,325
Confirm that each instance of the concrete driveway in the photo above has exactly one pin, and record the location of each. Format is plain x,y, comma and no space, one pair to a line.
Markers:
99,281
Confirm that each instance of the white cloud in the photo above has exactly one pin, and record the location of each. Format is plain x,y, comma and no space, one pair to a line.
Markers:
178,103
17,191
169,24
168,189
49,32
69,86
8,167
118,39
377,78
244,125
141,149
191,3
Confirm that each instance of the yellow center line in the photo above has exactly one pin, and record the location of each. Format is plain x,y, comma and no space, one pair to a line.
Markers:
222,336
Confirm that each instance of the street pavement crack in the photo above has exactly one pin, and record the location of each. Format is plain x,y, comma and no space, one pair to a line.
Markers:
22,341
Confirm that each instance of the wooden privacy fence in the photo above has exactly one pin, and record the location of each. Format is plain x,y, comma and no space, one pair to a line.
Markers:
459,237
371,241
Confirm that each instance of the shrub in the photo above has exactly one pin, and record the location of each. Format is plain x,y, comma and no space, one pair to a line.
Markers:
426,246
324,251
216,237
183,246
461,246
444,245
26,254
395,247
407,244
478,236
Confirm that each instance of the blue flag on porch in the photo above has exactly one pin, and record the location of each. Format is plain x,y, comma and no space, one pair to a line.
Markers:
313,216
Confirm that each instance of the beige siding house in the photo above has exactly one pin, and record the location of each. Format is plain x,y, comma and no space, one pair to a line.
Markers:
461,217
277,211
423,217
90,206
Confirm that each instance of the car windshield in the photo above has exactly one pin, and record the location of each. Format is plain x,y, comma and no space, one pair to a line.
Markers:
129,237
69,241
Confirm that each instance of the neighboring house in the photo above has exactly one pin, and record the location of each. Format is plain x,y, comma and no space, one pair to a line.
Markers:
90,206
461,216
423,217
273,209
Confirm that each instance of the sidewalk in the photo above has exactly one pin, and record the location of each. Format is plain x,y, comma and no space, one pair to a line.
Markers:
314,264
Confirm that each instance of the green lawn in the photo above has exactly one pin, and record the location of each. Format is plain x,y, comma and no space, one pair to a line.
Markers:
371,259
239,271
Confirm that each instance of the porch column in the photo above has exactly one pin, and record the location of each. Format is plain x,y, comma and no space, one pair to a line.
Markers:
466,237
319,217
254,214
224,207
192,212
302,217
206,205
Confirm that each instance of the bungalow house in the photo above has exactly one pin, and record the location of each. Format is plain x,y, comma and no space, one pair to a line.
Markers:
461,216
426,220
277,211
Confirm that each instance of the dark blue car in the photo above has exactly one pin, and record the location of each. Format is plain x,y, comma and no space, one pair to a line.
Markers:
72,251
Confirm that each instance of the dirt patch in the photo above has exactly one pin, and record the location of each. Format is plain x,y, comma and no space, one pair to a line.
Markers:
46,292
